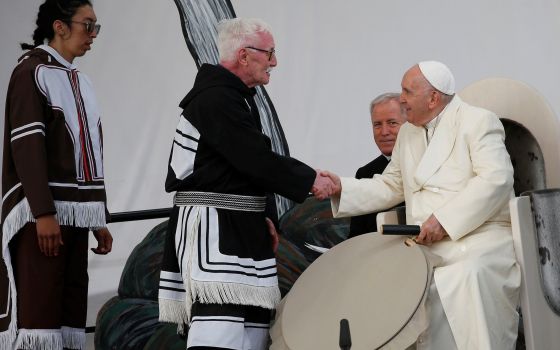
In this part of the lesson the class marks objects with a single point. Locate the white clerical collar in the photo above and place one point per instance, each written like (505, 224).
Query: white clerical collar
(434, 122)
(57, 56)
(432, 125)
(387, 157)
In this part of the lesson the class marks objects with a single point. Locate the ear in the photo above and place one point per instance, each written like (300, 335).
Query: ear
(434, 99)
(242, 57)
(60, 28)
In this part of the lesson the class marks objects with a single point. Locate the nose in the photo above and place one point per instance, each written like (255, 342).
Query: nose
(401, 98)
(384, 129)
(95, 32)
(273, 60)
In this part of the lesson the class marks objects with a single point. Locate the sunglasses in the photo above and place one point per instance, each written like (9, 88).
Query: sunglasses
(91, 27)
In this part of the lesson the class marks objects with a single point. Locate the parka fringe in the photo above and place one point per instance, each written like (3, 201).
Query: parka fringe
(73, 338)
(39, 339)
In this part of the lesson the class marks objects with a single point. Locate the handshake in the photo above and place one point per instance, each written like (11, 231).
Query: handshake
(326, 185)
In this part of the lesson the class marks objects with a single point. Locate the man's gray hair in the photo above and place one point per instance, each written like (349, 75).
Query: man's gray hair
(386, 97)
(237, 33)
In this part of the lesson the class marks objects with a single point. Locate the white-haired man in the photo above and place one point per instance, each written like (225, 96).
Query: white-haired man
(451, 167)
(387, 115)
(219, 271)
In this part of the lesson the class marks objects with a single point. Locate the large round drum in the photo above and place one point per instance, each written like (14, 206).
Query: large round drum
(376, 282)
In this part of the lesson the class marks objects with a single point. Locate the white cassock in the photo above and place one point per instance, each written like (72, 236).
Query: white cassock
(465, 178)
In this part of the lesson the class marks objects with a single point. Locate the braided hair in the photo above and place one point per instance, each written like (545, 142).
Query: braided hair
(50, 11)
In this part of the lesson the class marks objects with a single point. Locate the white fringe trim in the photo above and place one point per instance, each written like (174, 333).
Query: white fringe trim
(87, 215)
(172, 311)
(221, 292)
(39, 339)
(73, 338)
(235, 293)
(8, 337)
(15, 220)
(191, 242)
(90, 214)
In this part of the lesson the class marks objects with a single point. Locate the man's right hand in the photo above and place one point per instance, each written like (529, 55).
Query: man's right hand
(337, 184)
(48, 235)
(322, 187)
(334, 187)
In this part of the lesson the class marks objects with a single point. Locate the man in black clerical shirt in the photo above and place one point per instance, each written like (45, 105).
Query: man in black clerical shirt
(387, 116)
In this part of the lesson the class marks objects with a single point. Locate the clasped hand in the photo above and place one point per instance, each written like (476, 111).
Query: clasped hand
(326, 185)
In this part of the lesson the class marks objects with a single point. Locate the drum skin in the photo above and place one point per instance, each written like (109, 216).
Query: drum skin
(376, 282)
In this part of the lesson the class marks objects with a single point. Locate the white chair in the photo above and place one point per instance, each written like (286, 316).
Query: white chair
(540, 322)
(394, 216)
(386, 218)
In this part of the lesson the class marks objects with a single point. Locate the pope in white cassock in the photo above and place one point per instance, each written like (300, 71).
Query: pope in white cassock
(451, 167)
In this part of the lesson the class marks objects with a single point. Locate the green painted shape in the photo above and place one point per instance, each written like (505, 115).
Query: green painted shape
(140, 276)
(126, 324)
(166, 338)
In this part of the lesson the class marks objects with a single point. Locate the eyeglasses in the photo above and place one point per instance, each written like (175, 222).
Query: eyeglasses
(270, 52)
(91, 27)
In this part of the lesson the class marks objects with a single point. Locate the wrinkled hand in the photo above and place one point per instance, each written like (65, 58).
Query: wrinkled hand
(334, 187)
(431, 231)
(104, 241)
(48, 235)
(337, 184)
(322, 187)
(275, 239)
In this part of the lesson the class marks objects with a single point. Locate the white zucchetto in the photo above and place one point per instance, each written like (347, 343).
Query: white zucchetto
(437, 74)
